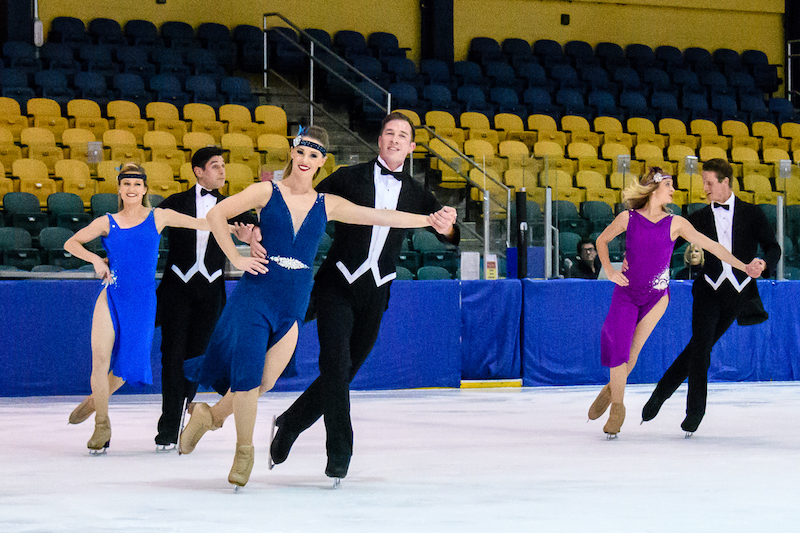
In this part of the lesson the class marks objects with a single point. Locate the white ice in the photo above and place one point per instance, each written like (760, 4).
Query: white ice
(425, 461)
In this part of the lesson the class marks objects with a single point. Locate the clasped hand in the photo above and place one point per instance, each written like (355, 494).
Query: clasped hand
(443, 220)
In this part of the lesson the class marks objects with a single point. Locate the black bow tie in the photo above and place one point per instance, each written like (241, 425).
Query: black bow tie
(203, 192)
(388, 172)
(723, 206)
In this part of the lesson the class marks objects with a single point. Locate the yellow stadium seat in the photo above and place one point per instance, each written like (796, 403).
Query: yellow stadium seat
(11, 117)
(187, 176)
(33, 178)
(76, 143)
(546, 129)
(478, 128)
(692, 184)
(562, 185)
(594, 184)
(160, 178)
(76, 178)
(85, 114)
(490, 183)
(761, 188)
(121, 145)
(9, 152)
(607, 125)
(46, 114)
(413, 116)
(751, 163)
(240, 149)
(271, 119)
(194, 140)
(41, 145)
(275, 149)
(164, 116)
(482, 152)
(239, 177)
(770, 136)
(163, 148)
(579, 150)
(125, 115)
(107, 172)
(237, 119)
(512, 128)
(444, 159)
(515, 153)
(573, 123)
(625, 139)
(444, 125)
(203, 119)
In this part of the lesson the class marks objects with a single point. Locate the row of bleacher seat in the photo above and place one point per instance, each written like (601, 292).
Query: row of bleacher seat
(582, 157)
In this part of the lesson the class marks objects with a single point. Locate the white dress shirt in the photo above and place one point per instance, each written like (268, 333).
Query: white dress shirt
(204, 203)
(387, 193)
(723, 220)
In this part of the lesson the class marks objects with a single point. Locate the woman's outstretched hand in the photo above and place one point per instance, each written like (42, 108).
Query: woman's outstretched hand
(253, 265)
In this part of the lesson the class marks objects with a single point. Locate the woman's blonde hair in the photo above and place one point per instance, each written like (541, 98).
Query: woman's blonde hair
(637, 194)
(137, 172)
(687, 255)
(317, 133)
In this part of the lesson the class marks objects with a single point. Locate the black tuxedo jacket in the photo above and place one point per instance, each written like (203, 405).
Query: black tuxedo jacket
(351, 245)
(750, 229)
(182, 242)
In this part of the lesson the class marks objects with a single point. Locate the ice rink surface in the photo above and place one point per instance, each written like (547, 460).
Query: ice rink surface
(425, 461)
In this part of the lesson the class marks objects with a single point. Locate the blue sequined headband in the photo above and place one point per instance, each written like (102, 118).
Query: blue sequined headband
(299, 141)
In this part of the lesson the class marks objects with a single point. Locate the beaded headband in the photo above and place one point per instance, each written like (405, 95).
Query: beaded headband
(658, 177)
(299, 141)
(132, 175)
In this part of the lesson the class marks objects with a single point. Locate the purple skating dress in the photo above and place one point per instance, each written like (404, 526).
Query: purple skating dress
(649, 251)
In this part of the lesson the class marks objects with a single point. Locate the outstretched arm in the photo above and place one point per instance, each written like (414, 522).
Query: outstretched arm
(338, 208)
(168, 217)
(74, 246)
(683, 228)
(619, 225)
(255, 196)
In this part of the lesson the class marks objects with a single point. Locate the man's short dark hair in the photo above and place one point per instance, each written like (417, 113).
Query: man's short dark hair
(202, 156)
(395, 115)
(581, 244)
(720, 167)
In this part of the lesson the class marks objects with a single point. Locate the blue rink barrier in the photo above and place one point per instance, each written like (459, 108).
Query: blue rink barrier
(433, 334)
(562, 321)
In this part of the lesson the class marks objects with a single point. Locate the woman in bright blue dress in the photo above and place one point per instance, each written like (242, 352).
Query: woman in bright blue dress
(124, 314)
(257, 332)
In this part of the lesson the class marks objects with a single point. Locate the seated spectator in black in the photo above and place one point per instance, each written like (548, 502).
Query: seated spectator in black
(693, 259)
(588, 265)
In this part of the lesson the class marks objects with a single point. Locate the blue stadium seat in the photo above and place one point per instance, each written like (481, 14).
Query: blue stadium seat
(350, 43)
(93, 86)
(670, 57)
(106, 31)
(203, 62)
(698, 59)
(640, 56)
(68, 30)
(170, 61)
(54, 85)
(217, 38)
(581, 54)
(131, 87)
(517, 51)
(611, 55)
(133, 60)
(203, 90)
(385, 46)
(21, 56)
(250, 47)
(142, 33)
(178, 35)
(60, 56)
(237, 91)
(167, 88)
(97, 58)
(483, 50)
(549, 52)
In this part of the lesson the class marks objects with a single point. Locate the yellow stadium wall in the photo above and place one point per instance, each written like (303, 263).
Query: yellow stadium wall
(711, 24)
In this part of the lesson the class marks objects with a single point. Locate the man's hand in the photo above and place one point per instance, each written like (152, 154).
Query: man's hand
(443, 220)
(756, 267)
(251, 235)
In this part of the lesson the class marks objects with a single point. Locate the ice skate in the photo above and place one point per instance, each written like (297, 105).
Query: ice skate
(201, 421)
(337, 468)
(652, 407)
(101, 437)
(242, 466)
(615, 420)
(166, 448)
(83, 411)
(281, 443)
(600, 403)
(337, 482)
(690, 424)
(270, 462)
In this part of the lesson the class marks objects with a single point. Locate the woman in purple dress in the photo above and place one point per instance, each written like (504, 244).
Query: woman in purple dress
(642, 292)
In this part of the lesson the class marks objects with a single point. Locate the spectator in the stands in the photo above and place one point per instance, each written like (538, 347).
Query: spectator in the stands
(588, 264)
(693, 260)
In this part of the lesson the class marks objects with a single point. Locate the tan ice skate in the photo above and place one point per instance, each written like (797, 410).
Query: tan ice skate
(242, 466)
(600, 403)
(615, 420)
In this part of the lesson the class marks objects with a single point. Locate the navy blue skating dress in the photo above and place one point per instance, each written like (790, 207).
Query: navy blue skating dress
(263, 307)
(132, 258)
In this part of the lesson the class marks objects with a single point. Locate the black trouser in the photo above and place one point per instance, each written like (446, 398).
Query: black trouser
(713, 312)
(187, 318)
(347, 328)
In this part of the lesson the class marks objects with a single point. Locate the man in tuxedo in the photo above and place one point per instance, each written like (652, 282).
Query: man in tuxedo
(191, 294)
(351, 289)
(721, 294)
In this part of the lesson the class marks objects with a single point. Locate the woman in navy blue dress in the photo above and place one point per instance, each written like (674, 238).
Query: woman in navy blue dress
(124, 314)
(257, 332)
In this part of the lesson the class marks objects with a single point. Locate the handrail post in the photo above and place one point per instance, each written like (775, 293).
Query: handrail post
(486, 230)
(266, 56)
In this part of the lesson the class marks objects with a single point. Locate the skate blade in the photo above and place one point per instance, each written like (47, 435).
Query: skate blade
(236, 489)
(337, 482)
(688, 435)
(166, 448)
(101, 451)
(611, 436)
(186, 408)
(270, 462)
